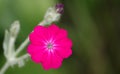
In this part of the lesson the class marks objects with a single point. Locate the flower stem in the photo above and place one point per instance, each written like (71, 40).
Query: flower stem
(4, 68)
(22, 46)
(25, 56)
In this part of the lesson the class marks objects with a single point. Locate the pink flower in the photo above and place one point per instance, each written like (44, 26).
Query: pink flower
(49, 46)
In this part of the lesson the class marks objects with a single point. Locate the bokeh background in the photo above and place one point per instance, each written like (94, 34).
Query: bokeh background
(93, 26)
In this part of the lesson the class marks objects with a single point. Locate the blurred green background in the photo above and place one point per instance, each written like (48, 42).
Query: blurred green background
(93, 25)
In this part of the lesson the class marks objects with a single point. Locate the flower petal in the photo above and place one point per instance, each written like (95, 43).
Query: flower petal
(52, 31)
(39, 29)
(56, 61)
(35, 39)
(41, 32)
(53, 28)
(63, 52)
(46, 63)
(34, 49)
(65, 42)
(62, 34)
(38, 49)
(37, 58)
(36, 53)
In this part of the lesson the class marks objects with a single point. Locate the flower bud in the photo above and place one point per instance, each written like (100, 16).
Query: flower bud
(14, 30)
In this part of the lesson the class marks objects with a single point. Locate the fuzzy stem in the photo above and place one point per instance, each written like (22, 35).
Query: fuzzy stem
(25, 56)
(4, 68)
(22, 46)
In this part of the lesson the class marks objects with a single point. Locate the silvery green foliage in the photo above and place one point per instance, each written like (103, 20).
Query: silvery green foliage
(21, 63)
(9, 44)
(6, 43)
(9, 40)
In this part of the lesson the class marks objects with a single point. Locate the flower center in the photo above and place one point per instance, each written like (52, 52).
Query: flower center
(49, 45)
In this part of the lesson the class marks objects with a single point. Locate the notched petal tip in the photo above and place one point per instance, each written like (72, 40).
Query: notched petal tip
(54, 27)
(38, 28)
(69, 53)
(70, 42)
(56, 61)
(35, 59)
